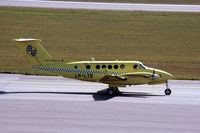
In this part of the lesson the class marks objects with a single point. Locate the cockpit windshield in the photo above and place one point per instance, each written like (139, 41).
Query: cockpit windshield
(142, 66)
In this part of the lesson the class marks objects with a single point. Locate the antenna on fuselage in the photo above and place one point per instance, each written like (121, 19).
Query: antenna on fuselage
(92, 59)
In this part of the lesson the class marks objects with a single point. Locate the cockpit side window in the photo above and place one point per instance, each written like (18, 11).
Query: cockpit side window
(142, 66)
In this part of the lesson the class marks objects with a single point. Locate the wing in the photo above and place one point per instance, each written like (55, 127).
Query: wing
(112, 78)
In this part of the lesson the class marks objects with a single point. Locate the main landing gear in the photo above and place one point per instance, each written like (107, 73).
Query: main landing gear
(113, 91)
(167, 91)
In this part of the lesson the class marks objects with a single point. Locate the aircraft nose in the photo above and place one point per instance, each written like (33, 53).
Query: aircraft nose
(168, 75)
(164, 75)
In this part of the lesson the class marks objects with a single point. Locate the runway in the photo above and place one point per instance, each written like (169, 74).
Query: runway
(57, 105)
(101, 6)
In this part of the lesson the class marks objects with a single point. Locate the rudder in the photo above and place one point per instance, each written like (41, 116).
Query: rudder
(35, 54)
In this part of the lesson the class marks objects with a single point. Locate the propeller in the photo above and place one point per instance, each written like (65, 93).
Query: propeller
(154, 76)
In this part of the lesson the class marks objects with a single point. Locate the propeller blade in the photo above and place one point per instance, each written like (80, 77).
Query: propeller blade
(154, 76)
(154, 71)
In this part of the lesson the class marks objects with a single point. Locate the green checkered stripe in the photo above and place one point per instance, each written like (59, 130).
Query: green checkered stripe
(74, 71)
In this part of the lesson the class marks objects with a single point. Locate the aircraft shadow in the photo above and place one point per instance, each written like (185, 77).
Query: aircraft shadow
(98, 96)
(103, 96)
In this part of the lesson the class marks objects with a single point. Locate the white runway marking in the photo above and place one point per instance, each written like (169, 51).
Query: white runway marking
(101, 6)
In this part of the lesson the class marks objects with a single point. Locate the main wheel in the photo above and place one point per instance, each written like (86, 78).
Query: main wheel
(113, 91)
(168, 91)
(110, 91)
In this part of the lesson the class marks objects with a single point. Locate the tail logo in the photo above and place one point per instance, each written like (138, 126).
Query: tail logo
(30, 50)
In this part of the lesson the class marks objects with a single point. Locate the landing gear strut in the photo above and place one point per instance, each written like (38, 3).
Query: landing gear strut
(167, 91)
(113, 91)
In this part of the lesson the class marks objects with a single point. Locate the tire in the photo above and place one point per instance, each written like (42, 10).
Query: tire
(168, 92)
(113, 91)
(110, 92)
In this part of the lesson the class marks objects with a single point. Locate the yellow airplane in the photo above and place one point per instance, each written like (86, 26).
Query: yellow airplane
(114, 73)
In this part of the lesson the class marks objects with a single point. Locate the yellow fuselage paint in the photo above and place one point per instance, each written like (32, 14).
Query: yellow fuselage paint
(113, 73)
(94, 70)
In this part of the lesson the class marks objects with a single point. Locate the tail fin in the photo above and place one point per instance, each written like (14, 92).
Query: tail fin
(33, 51)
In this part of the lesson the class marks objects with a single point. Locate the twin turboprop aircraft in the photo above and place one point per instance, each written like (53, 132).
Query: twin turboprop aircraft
(114, 73)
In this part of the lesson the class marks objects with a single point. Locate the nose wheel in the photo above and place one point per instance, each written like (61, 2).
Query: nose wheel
(167, 91)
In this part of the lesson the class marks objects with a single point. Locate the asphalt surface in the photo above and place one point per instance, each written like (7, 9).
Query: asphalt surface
(101, 6)
(41, 104)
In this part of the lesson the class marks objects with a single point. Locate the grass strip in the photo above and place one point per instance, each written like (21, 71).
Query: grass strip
(167, 41)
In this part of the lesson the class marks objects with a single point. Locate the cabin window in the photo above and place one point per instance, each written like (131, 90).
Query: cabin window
(76, 67)
(122, 66)
(97, 66)
(88, 67)
(109, 66)
(103, 66)
(135, 66)
(116, 66)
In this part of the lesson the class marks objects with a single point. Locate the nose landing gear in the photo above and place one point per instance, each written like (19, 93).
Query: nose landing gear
(167, 91)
